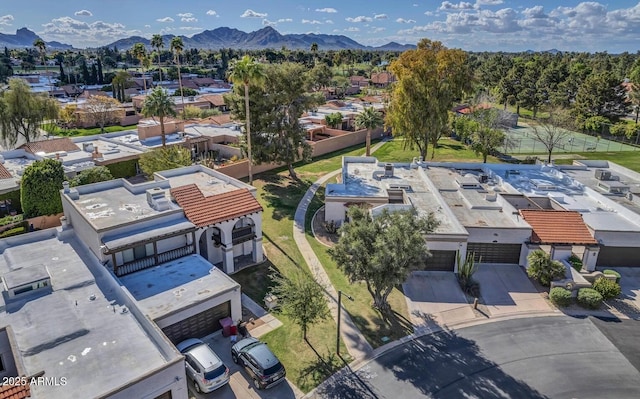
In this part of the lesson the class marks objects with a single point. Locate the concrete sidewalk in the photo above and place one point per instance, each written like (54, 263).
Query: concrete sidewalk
(356, 343)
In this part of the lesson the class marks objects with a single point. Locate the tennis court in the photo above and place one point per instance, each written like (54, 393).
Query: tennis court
(520, 140)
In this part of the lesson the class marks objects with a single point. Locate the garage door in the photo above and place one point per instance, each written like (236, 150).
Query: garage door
(495, 253)
(199, 325)
(618, 256)
(441, 261)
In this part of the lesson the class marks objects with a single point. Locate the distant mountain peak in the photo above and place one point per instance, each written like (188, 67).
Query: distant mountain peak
(25, 38)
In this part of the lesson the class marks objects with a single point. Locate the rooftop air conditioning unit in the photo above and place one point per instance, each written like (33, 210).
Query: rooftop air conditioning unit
(157, 199)
(388, 170)
(88, 147)
(602, 174)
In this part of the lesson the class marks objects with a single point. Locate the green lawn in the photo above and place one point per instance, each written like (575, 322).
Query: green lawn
(627, 159)
(448, 150)
(56, 131)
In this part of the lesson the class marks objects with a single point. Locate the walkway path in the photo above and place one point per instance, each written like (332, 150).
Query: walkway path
(356, 343)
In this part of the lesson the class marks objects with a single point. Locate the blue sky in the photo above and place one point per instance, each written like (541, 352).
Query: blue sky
(479, 25)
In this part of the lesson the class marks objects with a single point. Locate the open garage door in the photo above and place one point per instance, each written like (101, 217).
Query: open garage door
(495, 253)
(618, 256)
(198, 325)
(441, 261)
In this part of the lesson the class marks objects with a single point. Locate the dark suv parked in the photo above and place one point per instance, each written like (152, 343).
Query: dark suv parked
(262, 365)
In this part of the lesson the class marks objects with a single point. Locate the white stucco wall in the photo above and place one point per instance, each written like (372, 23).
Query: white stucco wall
(502, 236)
(233, 296)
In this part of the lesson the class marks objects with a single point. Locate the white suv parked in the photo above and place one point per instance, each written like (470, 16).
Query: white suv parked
(204, 367)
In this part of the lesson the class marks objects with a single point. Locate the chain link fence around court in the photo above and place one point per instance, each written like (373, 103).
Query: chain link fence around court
(521, 140)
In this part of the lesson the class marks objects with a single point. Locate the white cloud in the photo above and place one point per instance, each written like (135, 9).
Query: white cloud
(165, 19)
(360, 18)
(252, 14)
(266, 22)
(463, 5)
(83, 13)
(311, 22)
(190, 28)
(405, 21)
(285, 20)
(328, 22)
(380, 16)
(488, 2)
(212, 13)
(377, 30)
(6, 19)
(352, 29)
(147, 26)
(185, 15)
(189, 19)
(428, 13)
(97, 33)
(327, 9)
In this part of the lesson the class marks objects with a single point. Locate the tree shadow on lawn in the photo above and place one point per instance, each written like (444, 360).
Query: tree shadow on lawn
(319, 369)
(283, 194)
(383, 328)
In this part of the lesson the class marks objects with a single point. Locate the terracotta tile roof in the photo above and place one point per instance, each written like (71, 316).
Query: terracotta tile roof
(15, 391)
(49, 146)
(383, 78)
(4, 173)
(557, 227)
(205, 211)
(215, 99)
(221, 119)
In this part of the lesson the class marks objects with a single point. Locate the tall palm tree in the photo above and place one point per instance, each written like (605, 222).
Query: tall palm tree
(247, 71)
(177, 46)
(159, 103)
(42, 49)
(369, 119)
(158, 43)
(140, 52)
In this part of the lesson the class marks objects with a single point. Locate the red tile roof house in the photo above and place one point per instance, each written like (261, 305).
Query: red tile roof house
(382, 79)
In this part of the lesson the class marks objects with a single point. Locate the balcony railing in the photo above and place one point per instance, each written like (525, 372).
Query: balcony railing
(150, 261)
(241, 235)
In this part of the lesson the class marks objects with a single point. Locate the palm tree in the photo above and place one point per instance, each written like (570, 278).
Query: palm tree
(159, 103)
(314, 51)
(140, 52)
(158, 44)
(247, 71)
(42, 49)
(176, 48)
(369, 119)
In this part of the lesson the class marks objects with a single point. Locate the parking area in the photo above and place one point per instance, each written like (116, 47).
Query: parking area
(239, 386)
(505, 289)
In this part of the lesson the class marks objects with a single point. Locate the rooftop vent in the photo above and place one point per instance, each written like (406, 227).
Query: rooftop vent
(388, 170)
(602, 174)
(157, 199)
(87, 147)
(468, 181)
(613, 187)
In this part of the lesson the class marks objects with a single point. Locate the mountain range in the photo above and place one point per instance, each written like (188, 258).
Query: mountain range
(223, 37)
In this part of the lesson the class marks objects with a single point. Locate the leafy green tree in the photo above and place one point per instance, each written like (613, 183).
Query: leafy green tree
(40, 188)
(552, 131)
(333, 120)
(301, 298)
(177, 47)
(543, 269)
(41, 46)
(120, 82)
(22, 113)
(249, 73)
(164, 158)
(187, 91)
(382, 251)
(531, 96)
(92, 175)
(511, 84)
(320, 76)
(430, 78)
(279, 103)
(369, 119)
(159, 103)
(601, 95)
(158, 44)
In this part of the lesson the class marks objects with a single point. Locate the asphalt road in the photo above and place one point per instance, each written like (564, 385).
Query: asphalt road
(544, 357)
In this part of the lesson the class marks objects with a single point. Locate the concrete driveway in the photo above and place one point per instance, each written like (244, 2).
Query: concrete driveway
(239, 386)
(506, 289)
(436, 296)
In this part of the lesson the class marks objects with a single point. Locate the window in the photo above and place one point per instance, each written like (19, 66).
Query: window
(22, 290)
(136, 253)
(216, 236)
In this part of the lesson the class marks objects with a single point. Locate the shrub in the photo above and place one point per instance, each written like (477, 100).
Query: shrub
(466, 270)
(575, 262)
(589, 298)
(543, 269)
(607, 288)
(560, 296)
(331, 227)
(610, 272)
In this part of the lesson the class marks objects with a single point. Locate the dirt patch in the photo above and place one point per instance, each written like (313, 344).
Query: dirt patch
(320, 232)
